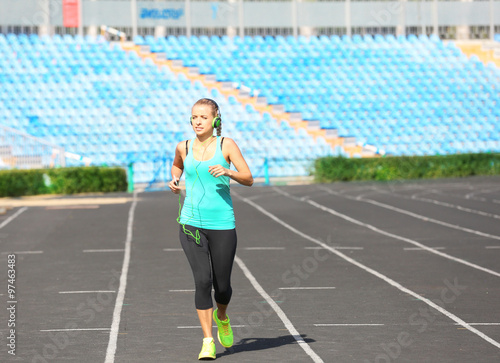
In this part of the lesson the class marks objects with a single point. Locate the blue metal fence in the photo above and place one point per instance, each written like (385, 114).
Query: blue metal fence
(158, 172)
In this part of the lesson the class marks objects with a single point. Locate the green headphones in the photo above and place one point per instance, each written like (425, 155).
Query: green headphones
(216, 122)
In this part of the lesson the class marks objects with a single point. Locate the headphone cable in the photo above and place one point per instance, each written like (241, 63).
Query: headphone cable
(196, 236)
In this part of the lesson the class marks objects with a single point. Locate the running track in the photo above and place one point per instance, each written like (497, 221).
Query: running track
(343, 272)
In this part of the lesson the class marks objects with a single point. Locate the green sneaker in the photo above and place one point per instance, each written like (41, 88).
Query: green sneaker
(208, 349)
(224, 331)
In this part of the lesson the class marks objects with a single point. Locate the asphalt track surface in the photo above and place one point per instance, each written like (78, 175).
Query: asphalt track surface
(343, 272)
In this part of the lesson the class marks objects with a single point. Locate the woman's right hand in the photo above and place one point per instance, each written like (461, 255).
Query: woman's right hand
(174, 186)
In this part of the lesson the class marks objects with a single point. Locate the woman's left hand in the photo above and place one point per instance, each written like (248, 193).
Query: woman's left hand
(218, 170)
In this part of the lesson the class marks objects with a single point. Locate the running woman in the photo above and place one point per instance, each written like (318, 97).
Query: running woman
(207, 226)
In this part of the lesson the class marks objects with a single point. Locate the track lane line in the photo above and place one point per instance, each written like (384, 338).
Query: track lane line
(86, 291)
(440, 192)
(82, 329)
(333, 324)
(115, 325)
(288, 324)
(415, 243)
(459, 207)
(104, 250)
(438, 202)
(420, 249)
(392, 235)
(471, 195)
(12, 217)
(336, 247)
(414, 215)
(23, 252)
(308, 288)
(263, 248)
(381, 276)
(214, 326)
(395, 236)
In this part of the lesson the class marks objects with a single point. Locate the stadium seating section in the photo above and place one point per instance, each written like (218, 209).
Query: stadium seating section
(405, 96)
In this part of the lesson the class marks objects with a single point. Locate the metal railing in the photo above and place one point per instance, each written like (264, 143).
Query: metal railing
(266, 169)
(19, 150)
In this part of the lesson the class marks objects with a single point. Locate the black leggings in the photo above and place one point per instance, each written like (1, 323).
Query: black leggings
(211, 262)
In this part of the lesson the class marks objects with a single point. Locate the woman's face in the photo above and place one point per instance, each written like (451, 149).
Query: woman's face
(201, 117)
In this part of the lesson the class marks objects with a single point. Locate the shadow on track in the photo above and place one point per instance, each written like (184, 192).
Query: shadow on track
(252, 344)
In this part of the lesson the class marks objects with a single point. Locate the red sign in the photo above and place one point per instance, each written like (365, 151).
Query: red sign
(70, 13)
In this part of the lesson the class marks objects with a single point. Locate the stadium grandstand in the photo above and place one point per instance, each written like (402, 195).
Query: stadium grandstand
(287, 97)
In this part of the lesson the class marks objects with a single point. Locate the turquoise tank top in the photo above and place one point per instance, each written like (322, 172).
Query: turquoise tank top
(208, 202)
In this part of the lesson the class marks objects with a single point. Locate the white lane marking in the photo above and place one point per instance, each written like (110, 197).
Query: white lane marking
(449, 205)
(413, 196)
(475, 324)
(348, 324)
(282, 192)
(375, 229)
(198, 327)
(59, 207)
(115, 325)
(432, 220)
(361, 196)
(288, 324)
(12, 217)
(185, 290)
(461, 197)
(483, 324)
(83, 329)
(105, 250)
(336, 247)
(415, 215)
(404, 239)
(84, 292)
(472, 195)
(421, 249)
(376, 273)
(263, 248)
(307, 288)
(22, 252)
(172, 249)
(492, 247)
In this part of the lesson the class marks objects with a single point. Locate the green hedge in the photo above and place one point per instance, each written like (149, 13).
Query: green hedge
(397, 168)
(15, 183)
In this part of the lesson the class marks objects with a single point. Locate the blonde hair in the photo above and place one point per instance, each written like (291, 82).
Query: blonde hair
(215, 110)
